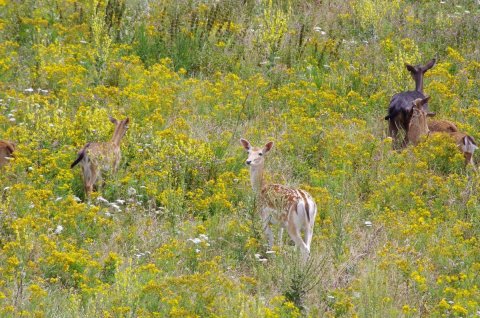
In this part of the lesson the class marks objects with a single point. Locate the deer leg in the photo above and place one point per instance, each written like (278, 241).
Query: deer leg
(309, 227)
(295, 236)
(393, 132)
(308, 236)
(266, 227)
(280, 236)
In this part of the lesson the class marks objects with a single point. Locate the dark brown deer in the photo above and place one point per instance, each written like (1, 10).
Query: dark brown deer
(399, 110)
(6, 152)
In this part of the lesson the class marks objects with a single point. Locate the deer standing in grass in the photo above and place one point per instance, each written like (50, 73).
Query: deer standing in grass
(400, 107)
(98, 157)
(419, 126)
(6, 151)
(294, 209)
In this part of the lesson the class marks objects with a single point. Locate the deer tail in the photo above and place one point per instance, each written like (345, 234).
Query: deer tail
(81, 155)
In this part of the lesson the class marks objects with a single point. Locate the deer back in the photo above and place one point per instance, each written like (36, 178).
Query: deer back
(442, 126)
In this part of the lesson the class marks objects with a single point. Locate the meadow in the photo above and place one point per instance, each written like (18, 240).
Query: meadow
(175, 232)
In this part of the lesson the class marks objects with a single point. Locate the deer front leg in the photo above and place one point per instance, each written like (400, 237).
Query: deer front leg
(266, 218)
(280, 236)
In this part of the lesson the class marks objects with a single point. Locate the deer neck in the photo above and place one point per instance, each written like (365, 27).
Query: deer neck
(117, 137)
(419, 82)
(256, 178)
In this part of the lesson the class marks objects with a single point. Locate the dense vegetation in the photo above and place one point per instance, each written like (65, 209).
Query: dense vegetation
(175, 233)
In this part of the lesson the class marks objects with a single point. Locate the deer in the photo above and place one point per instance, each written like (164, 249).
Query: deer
(418, 124)
(399, 110)
(97, 157)
(6, 151)
(419, 127)
(294, 209)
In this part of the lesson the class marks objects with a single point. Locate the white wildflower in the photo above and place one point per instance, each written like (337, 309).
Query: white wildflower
(116, 207)
(58, 229)
(131, 191)
(102, 199)
(195, 240)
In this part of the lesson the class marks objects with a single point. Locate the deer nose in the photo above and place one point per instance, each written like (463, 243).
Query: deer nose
(249, 162)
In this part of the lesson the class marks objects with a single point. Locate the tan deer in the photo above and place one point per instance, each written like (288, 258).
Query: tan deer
(98, 157)
(6, 151)
(294, 209)
(419, 126)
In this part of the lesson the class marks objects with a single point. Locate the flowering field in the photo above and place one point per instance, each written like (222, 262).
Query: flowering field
(174, 233)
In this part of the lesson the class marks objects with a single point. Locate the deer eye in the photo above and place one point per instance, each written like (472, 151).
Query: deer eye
(260, 154)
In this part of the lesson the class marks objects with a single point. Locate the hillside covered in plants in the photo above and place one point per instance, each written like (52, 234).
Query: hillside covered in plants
(176, 233)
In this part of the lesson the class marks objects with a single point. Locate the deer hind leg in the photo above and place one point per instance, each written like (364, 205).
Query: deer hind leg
(309, 226)
(293, 228)
(398, 134)
(89, 178)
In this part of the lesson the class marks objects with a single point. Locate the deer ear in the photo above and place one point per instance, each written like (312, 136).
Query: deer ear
(268, 146)
(425, 100)
(245, 144)
(410, 68)
(113, 120)
(429, 65)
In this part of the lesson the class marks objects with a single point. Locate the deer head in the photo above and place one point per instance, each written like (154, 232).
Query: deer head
(418, 125)
(418, 71)
(255, 154)
(121, 128)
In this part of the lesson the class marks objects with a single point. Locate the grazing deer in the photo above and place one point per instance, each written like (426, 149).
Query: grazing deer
(96, 157)
(6, 151)
(418, 127)
(399, 110)
(467, 145)
(294, 209)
